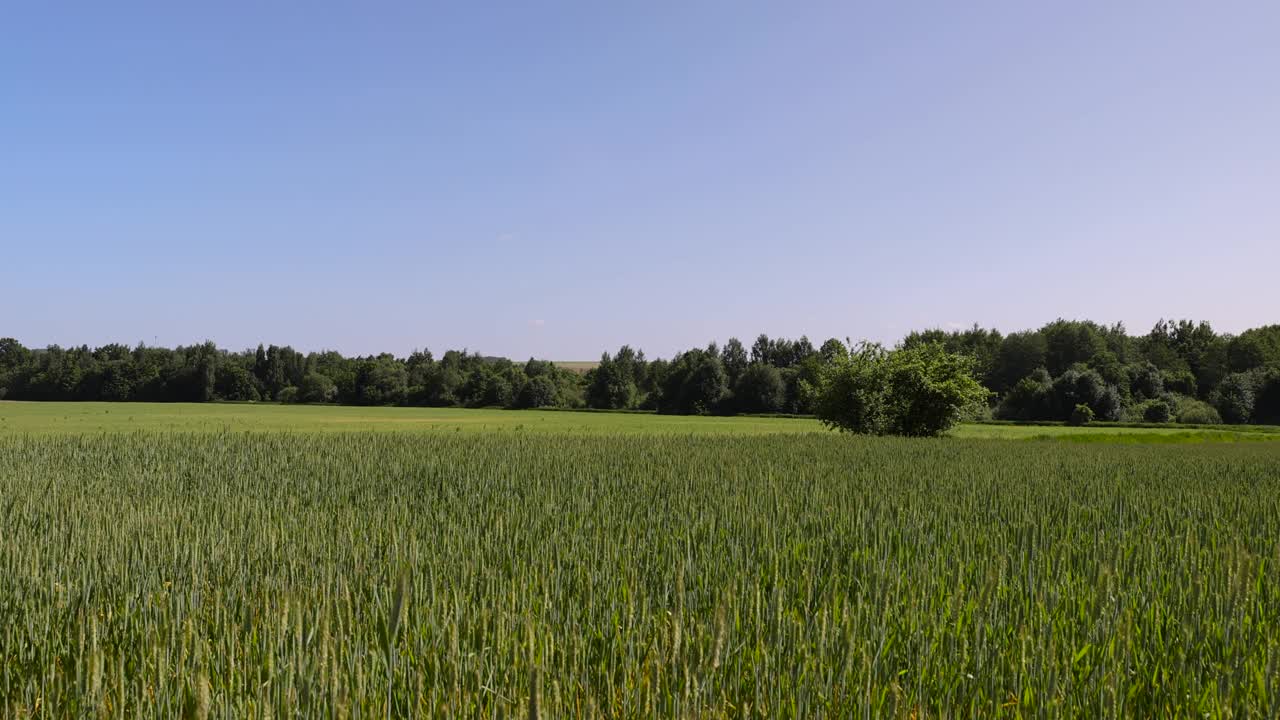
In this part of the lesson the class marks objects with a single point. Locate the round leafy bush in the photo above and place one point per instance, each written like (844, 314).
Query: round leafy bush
(1157, 411)
(540, 391)
(1197, 412)
(1081, 415)
(1234, 397)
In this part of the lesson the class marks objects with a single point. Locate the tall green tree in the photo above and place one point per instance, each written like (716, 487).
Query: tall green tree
(1019, 355)
(734, 358)
(760, 389)
(695, 384)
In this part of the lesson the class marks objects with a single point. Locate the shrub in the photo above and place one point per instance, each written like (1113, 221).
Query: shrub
(1234, 397)
(540, 391)
(1081, 415)
(1179, 381)
(1266, 400)
(850, 389)
(317, 388)
(1078, 385)
(695, 384)
(288, 395)
(231, 383)
(1110, 406)
(497, 392)
(918, 391)
(1157, 411)
(978, 412)
(1028, 399)
(1196, 412)
(1145, 381)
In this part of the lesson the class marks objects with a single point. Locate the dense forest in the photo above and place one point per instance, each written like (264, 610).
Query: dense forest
(1179, 371)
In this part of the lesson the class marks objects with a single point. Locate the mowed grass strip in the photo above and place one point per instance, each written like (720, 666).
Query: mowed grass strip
(506, 574)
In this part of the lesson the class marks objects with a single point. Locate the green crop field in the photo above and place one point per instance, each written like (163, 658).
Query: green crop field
(236, 561)
(61, 418)
(92, 417)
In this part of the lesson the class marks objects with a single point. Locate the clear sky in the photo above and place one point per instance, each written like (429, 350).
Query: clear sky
(557, 179)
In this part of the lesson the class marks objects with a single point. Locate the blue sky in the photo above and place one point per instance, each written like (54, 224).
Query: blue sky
(557, 179)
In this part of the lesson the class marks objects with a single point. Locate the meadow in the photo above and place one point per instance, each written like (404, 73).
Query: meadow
(60, 418)
(255, 561)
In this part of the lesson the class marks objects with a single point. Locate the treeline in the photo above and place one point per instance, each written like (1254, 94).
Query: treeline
(1179, 371)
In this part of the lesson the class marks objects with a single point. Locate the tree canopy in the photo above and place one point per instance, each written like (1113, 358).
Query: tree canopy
(918, 390)
(1185, 366)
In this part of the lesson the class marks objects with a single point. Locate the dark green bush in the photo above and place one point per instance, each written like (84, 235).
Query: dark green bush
(1157, 411)
(1081, 415)
(1234, 397)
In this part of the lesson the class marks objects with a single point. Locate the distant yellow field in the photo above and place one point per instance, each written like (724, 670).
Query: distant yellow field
(578, 366)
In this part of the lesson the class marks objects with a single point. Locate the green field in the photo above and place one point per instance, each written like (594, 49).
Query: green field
(244, 561)
(70, 417)
(59, 418)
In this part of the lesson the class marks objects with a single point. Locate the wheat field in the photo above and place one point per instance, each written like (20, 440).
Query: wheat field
(489, 575)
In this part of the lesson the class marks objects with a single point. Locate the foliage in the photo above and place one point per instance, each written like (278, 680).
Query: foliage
(1157, 411)
(1191, 411)
(1077, 385)
(1039, 374)
(1234, 398)
(695, 384)
(1180, 381)
(1145, 381)
(1020, 355)
(734, 359)
(1081, 415)
(916, 391)
(381, 381)
(760, 389)
(611, 385)
(232, 382)
(978, 413)
(780, 352)
(982, 345)
(1029, 399)
(850, 392)
(928, 389)
(1253, 349)
(539, 392)
(832, 349)
(317, 388)
(1266, 403)
(1071, 342)
(1192, 353)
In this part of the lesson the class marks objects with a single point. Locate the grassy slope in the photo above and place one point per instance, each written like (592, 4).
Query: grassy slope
(42, 418)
